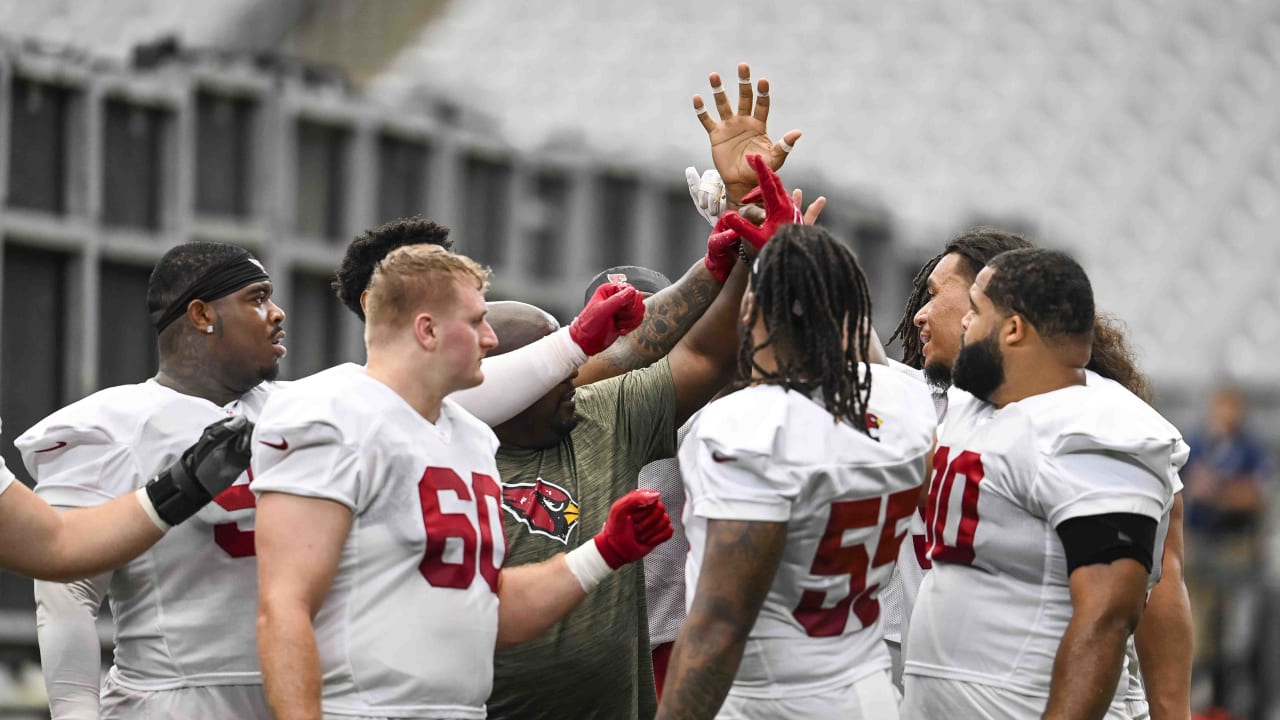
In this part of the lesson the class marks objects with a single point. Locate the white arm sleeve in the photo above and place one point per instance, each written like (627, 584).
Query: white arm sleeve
(70, 655)
(515, 380)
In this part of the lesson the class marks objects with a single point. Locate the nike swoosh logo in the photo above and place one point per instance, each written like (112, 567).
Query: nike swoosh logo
(721, 458)
(56, 446)
(282, 445)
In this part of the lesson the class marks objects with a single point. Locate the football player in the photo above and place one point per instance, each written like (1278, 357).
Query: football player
(1046, 513)
(799, 488)
(930, 335)
(183, 610)
(382, 588)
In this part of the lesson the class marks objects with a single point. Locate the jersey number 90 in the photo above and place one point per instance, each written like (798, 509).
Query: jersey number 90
(969, 466)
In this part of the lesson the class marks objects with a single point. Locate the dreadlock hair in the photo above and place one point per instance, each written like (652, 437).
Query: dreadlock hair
(180, 267)
(812, 297)
(975, 247)
(1046, 287)
(1114, 358)
(366, 251)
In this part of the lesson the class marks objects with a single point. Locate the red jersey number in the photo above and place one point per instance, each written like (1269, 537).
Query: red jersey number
(474, 550)
(967, 465)
(235, 542)
(835, 558)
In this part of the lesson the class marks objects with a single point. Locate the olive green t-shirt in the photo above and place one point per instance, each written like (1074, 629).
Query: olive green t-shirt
(595, 663)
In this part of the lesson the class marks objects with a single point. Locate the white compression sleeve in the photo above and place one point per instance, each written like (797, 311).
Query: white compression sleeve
(70, 655)
(515, 380)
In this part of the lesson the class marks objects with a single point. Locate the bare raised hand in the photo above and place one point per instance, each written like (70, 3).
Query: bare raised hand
(737, 135)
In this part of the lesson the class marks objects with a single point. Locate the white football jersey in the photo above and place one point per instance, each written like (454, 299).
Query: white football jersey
(765, 454)
(184, 610)
(994, 606)
(409, 626)
(899, 595)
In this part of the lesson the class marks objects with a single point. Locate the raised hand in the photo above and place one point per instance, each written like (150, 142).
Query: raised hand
(779, 208)
(722, 251)
(637, 523)
(737, 135)
(707, 192)
(614, 310)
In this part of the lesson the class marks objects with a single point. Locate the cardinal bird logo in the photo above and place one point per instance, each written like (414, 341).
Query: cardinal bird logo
(544, 508)
(873, 426)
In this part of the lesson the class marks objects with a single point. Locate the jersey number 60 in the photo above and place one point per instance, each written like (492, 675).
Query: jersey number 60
(453, 524)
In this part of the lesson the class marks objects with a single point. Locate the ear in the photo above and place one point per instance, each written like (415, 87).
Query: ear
(201, 315)
(364, 301)
(1014, 329)
(424, 331)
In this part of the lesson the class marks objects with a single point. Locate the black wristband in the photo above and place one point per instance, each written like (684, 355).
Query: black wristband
(176, 495)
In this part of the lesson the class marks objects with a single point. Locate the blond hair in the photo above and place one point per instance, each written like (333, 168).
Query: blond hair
(417, 278)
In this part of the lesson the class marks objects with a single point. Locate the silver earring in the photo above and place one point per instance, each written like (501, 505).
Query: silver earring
(208, 330)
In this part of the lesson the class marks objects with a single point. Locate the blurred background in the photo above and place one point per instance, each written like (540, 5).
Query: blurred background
(1143, 136)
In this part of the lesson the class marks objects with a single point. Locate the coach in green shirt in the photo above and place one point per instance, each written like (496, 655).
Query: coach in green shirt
(563, 462)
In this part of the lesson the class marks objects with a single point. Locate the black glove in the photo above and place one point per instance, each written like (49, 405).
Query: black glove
(204, 470)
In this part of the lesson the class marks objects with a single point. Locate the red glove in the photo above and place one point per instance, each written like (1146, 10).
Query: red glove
(779, 209)
(615, 309)
(722, 251)
(637, 524)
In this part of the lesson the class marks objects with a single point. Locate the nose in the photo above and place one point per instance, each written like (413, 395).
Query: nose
(275, 313)
(965, 321)
(488, 338)
(921, 314)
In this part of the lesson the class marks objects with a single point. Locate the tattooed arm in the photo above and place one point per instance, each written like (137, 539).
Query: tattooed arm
(668, 316)
(737, 571)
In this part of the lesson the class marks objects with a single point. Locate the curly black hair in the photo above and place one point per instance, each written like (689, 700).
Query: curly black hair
(366, 251)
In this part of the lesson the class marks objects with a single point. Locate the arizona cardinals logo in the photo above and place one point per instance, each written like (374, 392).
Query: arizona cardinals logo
(873, 426)
(544, 508)
(617, 278)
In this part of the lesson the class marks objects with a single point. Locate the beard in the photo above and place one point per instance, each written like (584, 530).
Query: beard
(269, 373)
(979, 368)
(938, 375)
(565, 418)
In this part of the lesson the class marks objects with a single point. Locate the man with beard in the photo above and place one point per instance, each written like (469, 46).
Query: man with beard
(184, 610)
(1044, 515)
(930, 336)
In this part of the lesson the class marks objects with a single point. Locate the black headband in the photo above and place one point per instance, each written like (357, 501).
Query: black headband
(218, 281)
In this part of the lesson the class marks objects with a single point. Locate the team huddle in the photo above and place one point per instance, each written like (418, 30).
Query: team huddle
(990, 528)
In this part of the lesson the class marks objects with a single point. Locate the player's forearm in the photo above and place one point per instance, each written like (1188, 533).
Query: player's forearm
(37, 541)
(1164, 642)
(532, 598)
(737, 571)
(702, 667)
(669, 314)
(290, 661)
(515, 380)
(96, 539)
(1087, 667)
